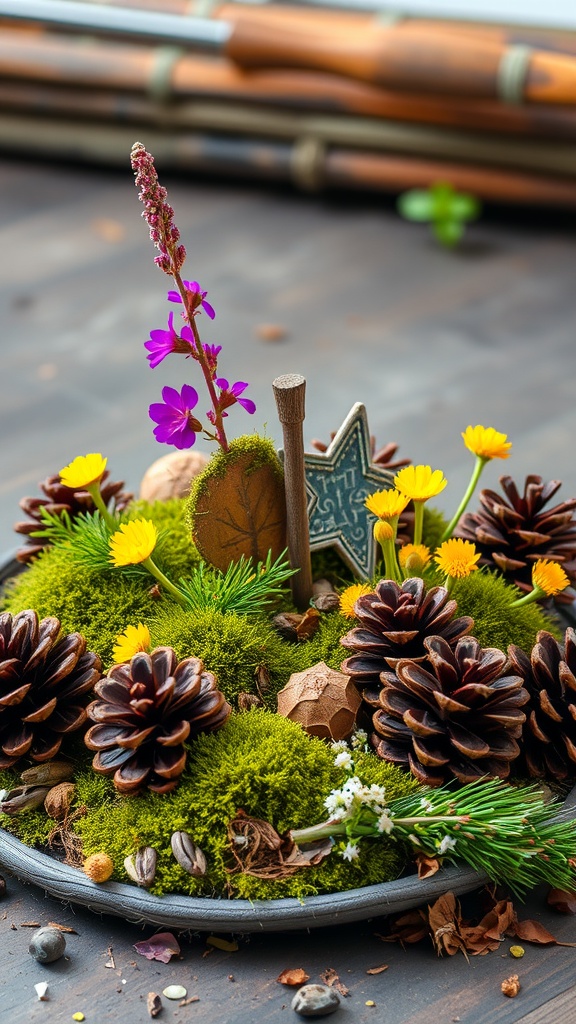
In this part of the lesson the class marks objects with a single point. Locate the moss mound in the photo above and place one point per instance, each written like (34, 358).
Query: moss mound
(231, 646)
(488, 599)
(259, 762)
(101, 603)
(261, 451)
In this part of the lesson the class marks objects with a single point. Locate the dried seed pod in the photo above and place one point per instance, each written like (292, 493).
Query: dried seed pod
(188, 855)
(58, 800)
(23, 798)
(99, 867)
(324, 596)
(47, 945)
(247, 701)
(49, 774)
(511, 986)
(142, 866)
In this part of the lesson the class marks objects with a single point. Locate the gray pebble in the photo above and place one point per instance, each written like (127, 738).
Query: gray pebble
(315, 1001)
(47, 945)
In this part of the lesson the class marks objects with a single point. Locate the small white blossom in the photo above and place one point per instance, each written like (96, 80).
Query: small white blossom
(359, 739)
(344, 760)
(445, 845)
(338, 745)
(350, 851)
(385, 823)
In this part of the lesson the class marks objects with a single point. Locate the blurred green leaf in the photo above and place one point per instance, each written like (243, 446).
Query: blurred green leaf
(448, 232)
(416, 204)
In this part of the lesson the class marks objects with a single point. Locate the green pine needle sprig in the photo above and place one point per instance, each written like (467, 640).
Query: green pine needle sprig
(241, 588)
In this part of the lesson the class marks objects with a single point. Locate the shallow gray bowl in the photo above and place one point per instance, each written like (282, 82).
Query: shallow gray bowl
(205, 914)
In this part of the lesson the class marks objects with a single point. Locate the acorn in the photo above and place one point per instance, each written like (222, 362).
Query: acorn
(98, 866)
(58, 800)
(141, 868)
(47, 945)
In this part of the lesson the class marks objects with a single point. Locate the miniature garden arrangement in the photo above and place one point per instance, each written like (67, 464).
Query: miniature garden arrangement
(279, 676)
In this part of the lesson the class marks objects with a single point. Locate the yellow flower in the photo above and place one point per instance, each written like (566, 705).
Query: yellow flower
(84, 470)
(420, 482)
(349, 597)
(486, 442)
(549, 577)
(386, 504)
(383, 532)
(457, 558)
(134, 542)
(132, 640)
(414, 557)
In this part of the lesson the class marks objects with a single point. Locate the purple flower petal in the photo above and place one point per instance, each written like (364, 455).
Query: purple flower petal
(162, 947)
(174, 296)
(247, 404)
(208, 309)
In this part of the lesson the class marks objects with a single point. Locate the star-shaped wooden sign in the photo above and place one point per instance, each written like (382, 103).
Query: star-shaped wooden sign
(337, 484)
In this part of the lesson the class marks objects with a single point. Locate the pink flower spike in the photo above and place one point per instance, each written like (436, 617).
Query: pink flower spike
(229, 395)
(176, 424)
(197, 295)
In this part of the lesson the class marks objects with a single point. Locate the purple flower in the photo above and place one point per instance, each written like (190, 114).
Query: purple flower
(197, 296)
(158, 213)
(162, 343)
(176, 424)
(229, 395)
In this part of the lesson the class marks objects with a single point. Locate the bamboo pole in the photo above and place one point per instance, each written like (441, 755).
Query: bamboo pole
(290, 393)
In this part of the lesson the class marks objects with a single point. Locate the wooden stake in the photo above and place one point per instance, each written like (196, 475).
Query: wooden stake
(290, 393)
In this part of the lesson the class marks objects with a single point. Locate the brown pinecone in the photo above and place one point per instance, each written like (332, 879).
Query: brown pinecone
(394, 622)
(513, 534)
(459, 718)
(43, 681)
(148, 708)
(549, 734)
(63, 499)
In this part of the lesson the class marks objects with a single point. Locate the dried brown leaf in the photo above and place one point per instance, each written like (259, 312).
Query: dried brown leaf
(427, 866)
(294, 976)
(444, 919)
(62, 928)
(533, 931)
(377, 970)
(30, 924)
(563, 901)
(331, 978)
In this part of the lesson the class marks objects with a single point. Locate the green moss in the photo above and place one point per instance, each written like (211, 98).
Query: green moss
(325, 644)
(433, 527)
(261, 451)
(231, 646)
(101, 603)
(488, 599)
(97, 604)
(265, 765)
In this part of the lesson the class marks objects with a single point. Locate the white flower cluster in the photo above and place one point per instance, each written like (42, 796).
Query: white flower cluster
(343, 803)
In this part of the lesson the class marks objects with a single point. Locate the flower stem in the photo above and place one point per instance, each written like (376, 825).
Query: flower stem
(201, 356)
(94, 492)
(159, 575)
(478, 467)
(418, 521)
(534, 595)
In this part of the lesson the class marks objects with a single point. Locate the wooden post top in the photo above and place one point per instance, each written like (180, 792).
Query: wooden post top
(290, 394)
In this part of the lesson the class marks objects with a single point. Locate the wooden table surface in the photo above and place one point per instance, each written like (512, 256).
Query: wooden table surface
(373, 311)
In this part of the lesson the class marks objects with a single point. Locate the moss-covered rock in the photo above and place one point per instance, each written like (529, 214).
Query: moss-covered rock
(268, 767)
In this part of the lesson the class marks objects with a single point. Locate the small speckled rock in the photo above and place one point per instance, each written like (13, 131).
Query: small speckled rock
(171, 475)
(47, 945)
(315, 1001)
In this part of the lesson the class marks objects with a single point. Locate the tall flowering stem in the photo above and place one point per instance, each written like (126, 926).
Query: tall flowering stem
(159, 216)
(486, 444)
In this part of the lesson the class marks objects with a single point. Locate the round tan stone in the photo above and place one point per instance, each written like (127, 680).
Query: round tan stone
(171, 475)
